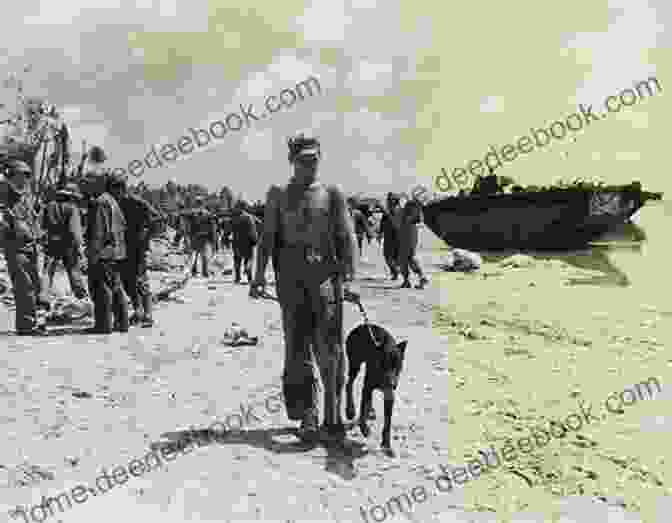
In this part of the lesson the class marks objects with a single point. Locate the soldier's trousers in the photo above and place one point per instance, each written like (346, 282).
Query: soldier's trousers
(136, 282)
(242, 255)
(203, 249)
(22, 266)
(409, 260)
(73, 267)
(110, 308)
(312, 317)
(391, 254)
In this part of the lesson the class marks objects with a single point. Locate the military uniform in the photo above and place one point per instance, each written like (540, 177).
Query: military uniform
(245, 237)
(141, 219)
(202, 230)
(389, 230)
(361, 227)
(21, 228)
(106, 251)
(408, 242)
(63, 225)
(310, 295)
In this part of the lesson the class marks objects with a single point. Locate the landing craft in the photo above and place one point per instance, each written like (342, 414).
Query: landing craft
(556, 217)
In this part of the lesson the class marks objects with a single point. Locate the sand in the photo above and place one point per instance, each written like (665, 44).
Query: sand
(490, 355)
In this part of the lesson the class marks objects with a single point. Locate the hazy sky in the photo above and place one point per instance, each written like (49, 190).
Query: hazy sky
(408, 87)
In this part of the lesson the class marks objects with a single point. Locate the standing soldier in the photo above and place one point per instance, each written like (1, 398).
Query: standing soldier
(225, 227)
(20, 231)
(202, 231)
(245, 237)
(65, 241)
(390, 225)
(408, 242)
(141, 219)
(106, 251)
(309, 234)
(360, 222)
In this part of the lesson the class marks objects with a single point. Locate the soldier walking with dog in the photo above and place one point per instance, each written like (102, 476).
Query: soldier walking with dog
(309, 234)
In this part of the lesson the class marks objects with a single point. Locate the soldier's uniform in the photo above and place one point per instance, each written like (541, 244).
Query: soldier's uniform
(408, 242)
(202, 231)
(63, 225)
(106, 250)
(21, 233)
(245, 237)
(310, 237)
(390, 225)
(141, 219)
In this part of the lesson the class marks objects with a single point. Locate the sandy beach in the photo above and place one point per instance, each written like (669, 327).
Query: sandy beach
(491, 354)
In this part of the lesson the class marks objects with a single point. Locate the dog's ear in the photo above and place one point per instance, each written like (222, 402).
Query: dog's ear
(402, 346)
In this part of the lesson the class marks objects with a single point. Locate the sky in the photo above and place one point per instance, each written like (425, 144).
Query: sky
(407, 87)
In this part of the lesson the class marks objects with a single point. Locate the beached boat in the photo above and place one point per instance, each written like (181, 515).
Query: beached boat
(544, 219)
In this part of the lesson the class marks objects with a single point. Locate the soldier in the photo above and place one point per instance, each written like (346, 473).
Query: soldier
(408, 242)
(202, 230)
(245, 237)
(20, 230)
(225, 228)
(106, 252)
(142, 220)
(65, 240)
(390, 224)
(309, 234)
(360, 222)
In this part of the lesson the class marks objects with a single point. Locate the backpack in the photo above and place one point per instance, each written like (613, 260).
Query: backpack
(201, 224)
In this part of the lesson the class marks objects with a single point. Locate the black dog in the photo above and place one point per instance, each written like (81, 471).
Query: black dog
(384, 358)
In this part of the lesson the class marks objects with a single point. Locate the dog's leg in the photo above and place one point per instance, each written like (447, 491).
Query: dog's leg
(353, 371)
(367, 396)
(388, 395)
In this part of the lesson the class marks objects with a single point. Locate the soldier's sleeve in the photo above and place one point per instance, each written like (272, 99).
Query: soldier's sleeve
(75, 225)
(96, 230)
(271, 225)
(252, 229)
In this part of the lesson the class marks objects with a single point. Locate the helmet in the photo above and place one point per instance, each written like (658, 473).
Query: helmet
(97, 155)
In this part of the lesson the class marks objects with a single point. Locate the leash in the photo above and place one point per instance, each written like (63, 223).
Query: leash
(354, 298)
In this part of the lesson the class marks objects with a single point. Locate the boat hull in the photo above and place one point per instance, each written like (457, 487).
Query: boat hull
(539, 220)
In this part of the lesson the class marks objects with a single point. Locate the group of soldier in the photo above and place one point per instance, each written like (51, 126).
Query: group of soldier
(100, 226)
(205, 233)
(396, 226)
(116, 225)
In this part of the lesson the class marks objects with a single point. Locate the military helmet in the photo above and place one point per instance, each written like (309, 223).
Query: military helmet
(97, 155)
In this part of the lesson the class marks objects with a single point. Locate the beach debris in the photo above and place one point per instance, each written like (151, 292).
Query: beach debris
(68, 309)
(26, 475)
(461, 260)
(172, 287)
(518, 261)
(82, 394)
(236, 336)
